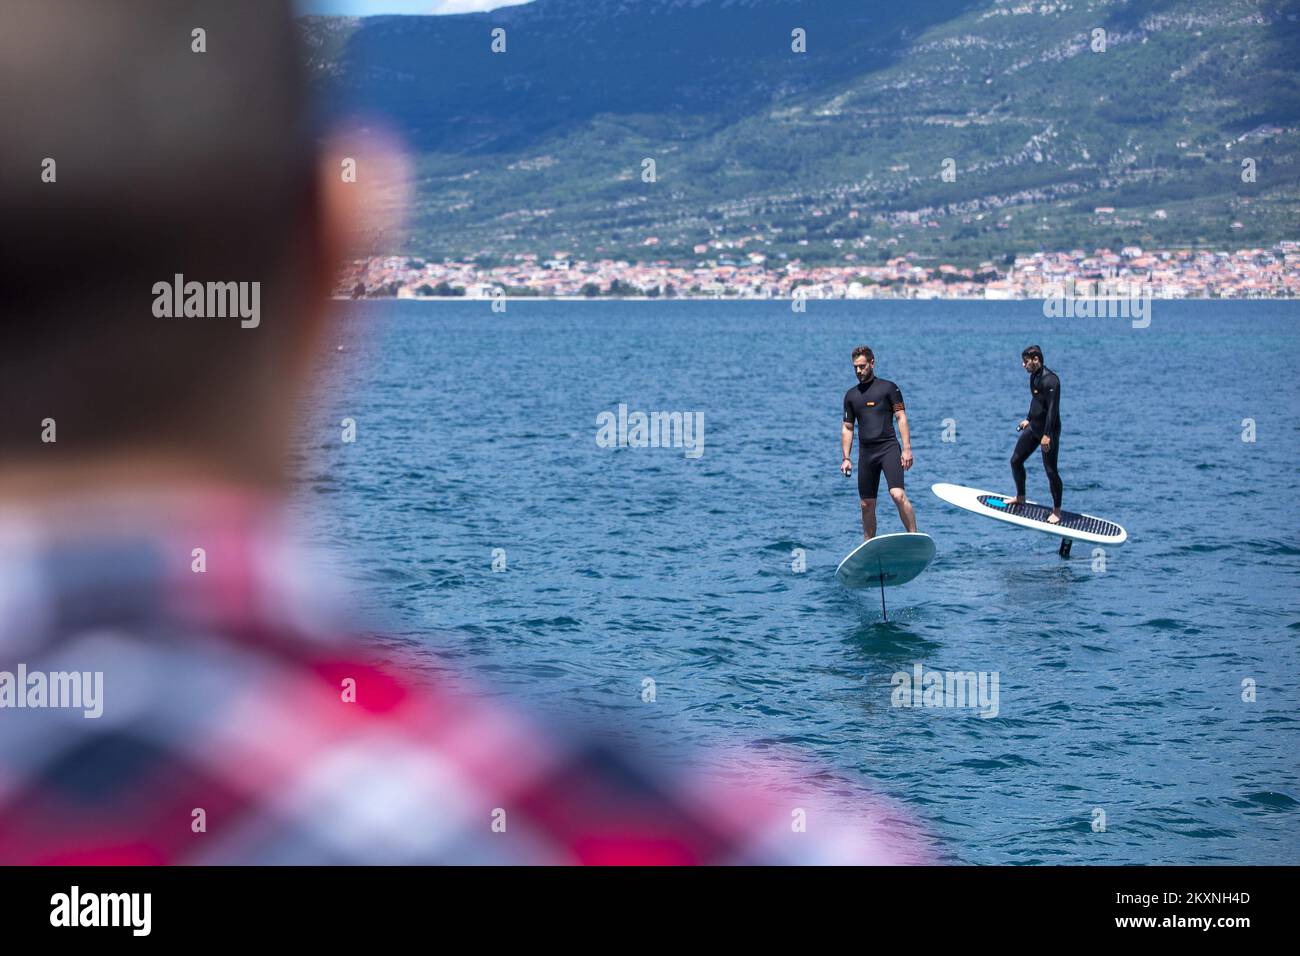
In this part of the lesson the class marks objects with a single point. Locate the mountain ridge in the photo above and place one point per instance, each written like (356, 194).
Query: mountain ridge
(836, 152)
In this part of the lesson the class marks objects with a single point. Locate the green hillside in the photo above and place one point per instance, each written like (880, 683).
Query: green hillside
(835, 154)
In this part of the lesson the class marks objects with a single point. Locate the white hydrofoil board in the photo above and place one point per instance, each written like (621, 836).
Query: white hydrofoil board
(886, 560)
(1078, 527)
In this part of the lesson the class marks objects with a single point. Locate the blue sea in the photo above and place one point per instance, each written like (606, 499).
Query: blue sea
(1157, 683)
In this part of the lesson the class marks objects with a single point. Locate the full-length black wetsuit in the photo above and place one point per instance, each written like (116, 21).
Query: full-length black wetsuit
(1044, 419)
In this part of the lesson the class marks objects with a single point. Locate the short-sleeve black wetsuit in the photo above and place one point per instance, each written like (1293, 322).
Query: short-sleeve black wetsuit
(1044, 419)
(870, 406)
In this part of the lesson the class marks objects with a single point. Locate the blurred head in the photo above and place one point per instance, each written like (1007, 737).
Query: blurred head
(1032, 359)
(131, 158)
(864, 362)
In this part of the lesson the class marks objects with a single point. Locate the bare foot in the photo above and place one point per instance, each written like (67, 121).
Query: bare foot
(1054, 518)
(1016, 500)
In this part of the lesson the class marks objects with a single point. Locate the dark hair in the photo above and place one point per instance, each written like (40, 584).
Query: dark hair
(1032, 351)
(863, 350)
(167, 161)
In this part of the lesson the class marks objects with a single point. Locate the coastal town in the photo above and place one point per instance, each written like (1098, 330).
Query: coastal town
(1169, 274)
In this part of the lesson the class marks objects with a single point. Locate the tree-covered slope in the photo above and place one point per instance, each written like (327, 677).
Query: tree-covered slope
(837, 152)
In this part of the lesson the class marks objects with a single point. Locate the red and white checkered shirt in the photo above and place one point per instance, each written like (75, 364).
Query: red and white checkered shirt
(239, 723)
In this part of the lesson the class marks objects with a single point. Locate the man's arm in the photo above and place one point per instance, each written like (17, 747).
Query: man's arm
(900, 416)
(1052, 424)
(1051, 416)
(846, 437)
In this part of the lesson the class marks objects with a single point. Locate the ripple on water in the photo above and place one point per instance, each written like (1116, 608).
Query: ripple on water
(1267, 800)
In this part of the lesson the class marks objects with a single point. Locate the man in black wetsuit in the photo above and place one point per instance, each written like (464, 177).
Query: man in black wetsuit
(873, 405)
(1041, 428)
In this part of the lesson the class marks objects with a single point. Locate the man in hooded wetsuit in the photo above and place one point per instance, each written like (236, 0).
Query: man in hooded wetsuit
(873, 405)
(1041, 428)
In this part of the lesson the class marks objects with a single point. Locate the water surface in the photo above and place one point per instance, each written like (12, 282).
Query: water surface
(1121, 681)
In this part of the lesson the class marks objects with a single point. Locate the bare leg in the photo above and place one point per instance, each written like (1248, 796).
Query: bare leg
(868, 518)
(904, 508)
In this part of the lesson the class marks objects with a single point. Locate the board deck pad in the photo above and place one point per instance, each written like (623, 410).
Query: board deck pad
(886, 560)
(1073, 525)
(1036, 512)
